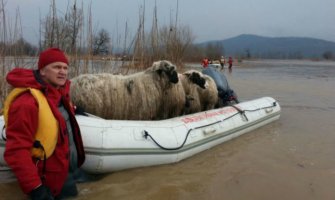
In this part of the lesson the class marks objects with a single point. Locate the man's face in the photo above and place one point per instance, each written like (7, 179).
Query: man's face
(55, 74)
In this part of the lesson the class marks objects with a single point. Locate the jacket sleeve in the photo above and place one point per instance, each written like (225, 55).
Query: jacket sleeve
(20, 131)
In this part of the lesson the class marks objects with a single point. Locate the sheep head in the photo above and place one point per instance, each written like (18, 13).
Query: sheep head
(167, 68)
(196, 78)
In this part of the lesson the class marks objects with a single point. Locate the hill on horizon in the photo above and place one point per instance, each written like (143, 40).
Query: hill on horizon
(255, 46)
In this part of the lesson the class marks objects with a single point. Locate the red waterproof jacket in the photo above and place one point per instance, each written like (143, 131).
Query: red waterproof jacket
(205, 62)
(22, 126)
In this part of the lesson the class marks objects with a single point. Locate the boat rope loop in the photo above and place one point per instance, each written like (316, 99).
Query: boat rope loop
(242, 112)
(146, 134)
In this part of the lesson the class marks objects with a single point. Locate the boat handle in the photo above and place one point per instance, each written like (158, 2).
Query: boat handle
(268, 110)
(209, 131)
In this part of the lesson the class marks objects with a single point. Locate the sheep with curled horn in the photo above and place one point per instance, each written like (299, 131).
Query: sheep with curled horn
(133, 97)
(192, 81)
(208, 96)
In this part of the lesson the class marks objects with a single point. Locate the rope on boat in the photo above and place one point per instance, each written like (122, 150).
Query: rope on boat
(242, 112)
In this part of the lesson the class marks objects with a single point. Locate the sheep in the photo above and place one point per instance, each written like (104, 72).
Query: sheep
(176, 101)
(187, 80)
(133, 97)
(173, 101)
(200, 91)
(209, 96)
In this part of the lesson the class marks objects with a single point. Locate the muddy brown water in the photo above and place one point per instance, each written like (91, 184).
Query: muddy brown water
(292, 158)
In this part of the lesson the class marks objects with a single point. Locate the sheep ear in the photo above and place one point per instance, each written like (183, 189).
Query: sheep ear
(187, 74)
(167, 66)
(171, 67)
(156, 66)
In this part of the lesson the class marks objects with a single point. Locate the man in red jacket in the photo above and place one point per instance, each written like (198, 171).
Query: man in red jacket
(49, 177)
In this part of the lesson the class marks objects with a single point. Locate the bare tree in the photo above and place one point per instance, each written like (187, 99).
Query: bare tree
(89, 39)
(139, 46)
(101, 43)
(50, 25)
(3, 36)
(63, 31)
(168, 42)
(154, 36)
(2, 50)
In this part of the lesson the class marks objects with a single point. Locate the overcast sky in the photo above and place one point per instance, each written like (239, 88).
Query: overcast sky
(208, 19)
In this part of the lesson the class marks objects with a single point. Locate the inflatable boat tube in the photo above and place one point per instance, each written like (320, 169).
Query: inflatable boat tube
(112, 145)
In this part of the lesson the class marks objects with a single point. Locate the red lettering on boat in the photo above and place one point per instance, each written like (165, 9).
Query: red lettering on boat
(208, 114)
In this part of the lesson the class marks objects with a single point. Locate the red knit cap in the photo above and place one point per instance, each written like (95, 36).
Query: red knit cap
(51, 55)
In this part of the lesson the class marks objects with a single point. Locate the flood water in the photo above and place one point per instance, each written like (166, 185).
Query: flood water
(292, 158)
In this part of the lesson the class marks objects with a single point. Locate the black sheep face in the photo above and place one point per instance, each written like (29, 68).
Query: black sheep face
(197, 79)
(169, 69)
(173, 76)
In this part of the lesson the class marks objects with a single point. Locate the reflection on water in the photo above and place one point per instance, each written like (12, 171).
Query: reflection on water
(292, 158)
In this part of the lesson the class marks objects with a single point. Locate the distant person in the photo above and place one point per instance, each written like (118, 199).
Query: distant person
(230, 64)
(222, 62)
(205, 62)
(44, 147)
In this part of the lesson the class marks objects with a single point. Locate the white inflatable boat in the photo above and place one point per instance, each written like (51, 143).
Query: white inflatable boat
(113, 145)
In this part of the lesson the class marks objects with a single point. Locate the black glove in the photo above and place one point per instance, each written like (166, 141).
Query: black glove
(41, 193)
